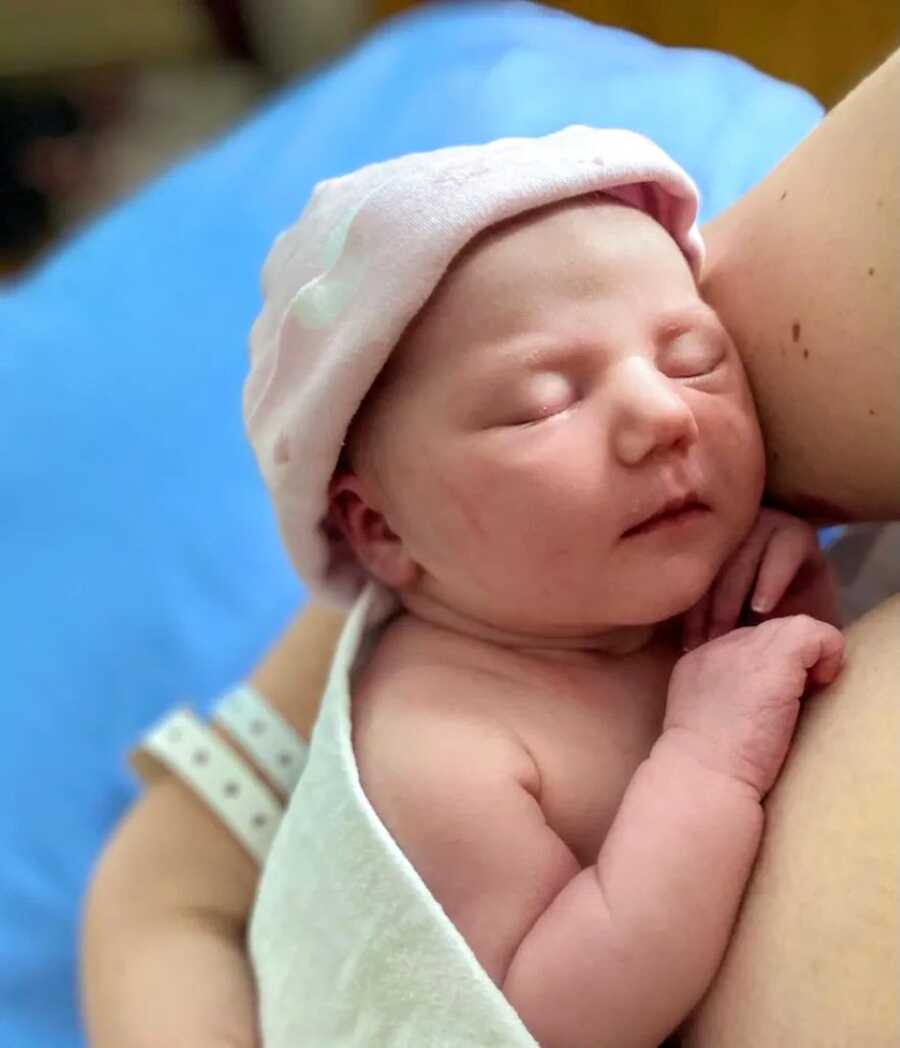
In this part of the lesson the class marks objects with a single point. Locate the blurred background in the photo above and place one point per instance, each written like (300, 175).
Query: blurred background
(97, 95)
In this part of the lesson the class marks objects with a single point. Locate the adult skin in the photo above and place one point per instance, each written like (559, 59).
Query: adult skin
(805, 273)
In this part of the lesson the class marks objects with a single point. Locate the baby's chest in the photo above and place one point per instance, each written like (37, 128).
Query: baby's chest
(588, 747)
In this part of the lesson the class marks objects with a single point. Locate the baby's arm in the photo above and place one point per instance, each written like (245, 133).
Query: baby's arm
(616, 954)
(627, 950)
(163, 953)
(619, 953)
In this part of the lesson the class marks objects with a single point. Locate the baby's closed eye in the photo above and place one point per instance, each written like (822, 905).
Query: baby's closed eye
(538, 397)
(692, 354)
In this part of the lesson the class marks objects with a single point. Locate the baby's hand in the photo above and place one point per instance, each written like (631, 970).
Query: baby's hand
(733, 702)
(782, 556)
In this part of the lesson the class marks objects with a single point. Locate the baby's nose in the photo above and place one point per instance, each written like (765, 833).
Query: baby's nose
(651, 413)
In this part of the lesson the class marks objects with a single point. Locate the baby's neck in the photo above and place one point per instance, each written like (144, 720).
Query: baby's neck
(557, 645)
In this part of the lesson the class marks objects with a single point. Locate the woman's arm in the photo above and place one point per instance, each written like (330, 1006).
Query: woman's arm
(168, 900)
(805, 272)
(173, 891)
(293, 674)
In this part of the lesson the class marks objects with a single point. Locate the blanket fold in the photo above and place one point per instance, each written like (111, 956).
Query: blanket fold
(349, 947)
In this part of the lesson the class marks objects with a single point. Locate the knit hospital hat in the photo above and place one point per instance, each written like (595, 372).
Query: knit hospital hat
(342, 284)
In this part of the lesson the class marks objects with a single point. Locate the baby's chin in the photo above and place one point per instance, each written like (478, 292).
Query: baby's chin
(561, 620)
(655, 608)
(650, 601)
(647, 598)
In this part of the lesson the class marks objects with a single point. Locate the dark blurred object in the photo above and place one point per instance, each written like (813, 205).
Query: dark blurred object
(69, 71)
(39, 155)
(49, 133)
(227, 17)
(58, 37)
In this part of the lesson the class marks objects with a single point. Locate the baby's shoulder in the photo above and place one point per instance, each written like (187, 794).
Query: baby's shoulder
(418, 690)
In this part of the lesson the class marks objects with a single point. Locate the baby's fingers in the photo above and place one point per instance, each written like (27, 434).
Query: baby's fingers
(825, 671)
(820, 649)
(786, 551)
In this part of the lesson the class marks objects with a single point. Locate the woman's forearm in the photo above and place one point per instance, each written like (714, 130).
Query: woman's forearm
(163, 959)
(804, 272)
(293, 674)
(182, 981)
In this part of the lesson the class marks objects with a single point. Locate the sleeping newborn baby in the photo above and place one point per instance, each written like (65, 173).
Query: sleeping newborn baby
(496, 414)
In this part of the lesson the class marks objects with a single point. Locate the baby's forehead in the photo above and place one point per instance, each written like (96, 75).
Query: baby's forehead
(543, 222)
(542, 277)
(575, 242)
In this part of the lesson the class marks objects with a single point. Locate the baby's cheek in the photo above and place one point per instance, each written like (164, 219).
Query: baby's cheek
(745, 409)
(730, 429)
(750, 439)
(740, 456)
(464, 506)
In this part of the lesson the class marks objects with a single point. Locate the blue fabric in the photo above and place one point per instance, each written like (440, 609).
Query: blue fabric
(138, 558)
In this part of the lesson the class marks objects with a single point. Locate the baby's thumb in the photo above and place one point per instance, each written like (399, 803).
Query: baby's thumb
(831, 660)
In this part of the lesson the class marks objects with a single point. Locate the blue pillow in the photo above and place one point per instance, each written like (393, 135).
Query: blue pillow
(138, 557)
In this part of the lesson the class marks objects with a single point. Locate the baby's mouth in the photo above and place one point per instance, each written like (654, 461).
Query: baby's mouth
(684, 510)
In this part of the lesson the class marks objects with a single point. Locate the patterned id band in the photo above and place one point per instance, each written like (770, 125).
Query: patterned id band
(199, 758)
(264, 734)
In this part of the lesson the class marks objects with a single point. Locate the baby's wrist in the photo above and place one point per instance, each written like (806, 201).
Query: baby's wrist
(708, 759)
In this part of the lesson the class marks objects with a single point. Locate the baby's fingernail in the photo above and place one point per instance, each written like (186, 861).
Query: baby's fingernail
(761, 605)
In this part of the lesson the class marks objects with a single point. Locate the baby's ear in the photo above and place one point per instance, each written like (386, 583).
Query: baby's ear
(354, 508)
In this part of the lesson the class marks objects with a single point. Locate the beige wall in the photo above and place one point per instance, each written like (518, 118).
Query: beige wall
(825, 45)
(50, 36)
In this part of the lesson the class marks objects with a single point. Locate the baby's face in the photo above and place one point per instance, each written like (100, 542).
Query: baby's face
(564, 384)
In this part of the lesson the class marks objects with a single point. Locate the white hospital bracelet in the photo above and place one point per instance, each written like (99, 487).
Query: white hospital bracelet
(277, 749)
(213, 771)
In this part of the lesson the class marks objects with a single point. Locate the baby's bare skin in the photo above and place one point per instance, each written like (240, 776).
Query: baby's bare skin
(587, 723)
(587, 824)
(577, 729)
